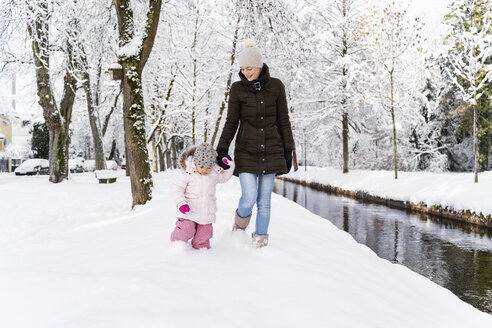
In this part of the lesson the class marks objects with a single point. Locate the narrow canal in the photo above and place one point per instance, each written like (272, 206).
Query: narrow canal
(455, 256)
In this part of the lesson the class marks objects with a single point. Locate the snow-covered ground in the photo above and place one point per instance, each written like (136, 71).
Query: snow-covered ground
(453, 190)
(74, 255)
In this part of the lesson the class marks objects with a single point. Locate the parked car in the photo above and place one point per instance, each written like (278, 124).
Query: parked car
(33, 166)
(123, 164)
(76, 165)
(90, 165)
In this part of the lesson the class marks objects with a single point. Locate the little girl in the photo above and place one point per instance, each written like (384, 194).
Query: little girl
(194, 194)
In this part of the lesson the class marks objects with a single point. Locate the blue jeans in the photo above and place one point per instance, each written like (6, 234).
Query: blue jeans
(256, 188)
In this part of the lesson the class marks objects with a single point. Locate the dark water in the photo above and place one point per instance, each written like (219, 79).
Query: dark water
(455, 256)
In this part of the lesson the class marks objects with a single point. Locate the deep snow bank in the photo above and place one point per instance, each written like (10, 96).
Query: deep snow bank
(452, 190)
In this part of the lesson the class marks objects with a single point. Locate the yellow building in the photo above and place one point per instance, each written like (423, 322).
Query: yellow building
(5, 132)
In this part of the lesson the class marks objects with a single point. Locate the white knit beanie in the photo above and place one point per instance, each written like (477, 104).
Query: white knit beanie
(250, 56)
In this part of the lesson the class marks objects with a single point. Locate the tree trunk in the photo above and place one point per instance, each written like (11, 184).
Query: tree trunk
(205, 129)
(345, 123)
(57, 122)
(66, 106)
(345, 132)
(228, 85)
(168, 153)
(394, 124)
(93, 121)
(106, 119)
(169, 160)
(193, 127)
(112, 153)
(194, 113)
(92, 97)
(137, 160)
(162, 165)
(127, 168)
(158, 145)
(174, 154)
(154, 156)
(475, 140)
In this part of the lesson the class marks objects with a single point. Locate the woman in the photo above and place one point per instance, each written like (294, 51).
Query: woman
(264, 143)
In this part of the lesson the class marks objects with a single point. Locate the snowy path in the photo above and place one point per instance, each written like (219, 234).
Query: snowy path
(452, 190)
(73, 255)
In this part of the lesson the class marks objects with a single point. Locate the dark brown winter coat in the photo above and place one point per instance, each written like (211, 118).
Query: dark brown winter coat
(264, 126)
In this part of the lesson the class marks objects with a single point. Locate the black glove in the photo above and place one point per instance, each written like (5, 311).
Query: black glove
(288, 158)
(222, 159)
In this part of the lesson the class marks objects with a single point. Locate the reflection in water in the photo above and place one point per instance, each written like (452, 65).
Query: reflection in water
(345, 218)
(395, 246)
(447, 253)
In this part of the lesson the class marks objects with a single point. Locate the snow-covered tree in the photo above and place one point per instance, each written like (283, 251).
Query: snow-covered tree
(429, 146)
(469, 57)
(57, 115)
(90, 55)
(360, 94)
(137, 25)
(183, 77)
(345, 64)
(234, 40)
(390, 35)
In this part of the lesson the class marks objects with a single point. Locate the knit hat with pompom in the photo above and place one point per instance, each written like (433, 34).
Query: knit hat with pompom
(205, 155)
(250, 56)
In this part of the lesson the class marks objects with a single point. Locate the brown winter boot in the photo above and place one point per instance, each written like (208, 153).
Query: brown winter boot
(241, 223)
(259, 241)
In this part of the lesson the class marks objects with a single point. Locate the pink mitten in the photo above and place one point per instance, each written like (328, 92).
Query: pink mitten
(184, 209)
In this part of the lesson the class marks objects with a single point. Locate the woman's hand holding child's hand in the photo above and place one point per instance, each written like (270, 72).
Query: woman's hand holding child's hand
(223, 159)
(184, 209)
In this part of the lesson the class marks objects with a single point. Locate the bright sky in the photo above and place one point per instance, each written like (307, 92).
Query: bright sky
(432, 13)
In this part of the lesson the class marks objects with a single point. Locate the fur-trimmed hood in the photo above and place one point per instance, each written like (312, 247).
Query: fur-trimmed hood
(184, 155)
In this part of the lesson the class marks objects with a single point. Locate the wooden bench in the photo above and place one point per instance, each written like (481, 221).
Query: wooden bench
(106, 176)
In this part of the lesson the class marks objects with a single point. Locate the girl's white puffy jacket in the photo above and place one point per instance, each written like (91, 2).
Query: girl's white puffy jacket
(198, 191)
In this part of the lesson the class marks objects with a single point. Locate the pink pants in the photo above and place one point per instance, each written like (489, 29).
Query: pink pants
(187, 229)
